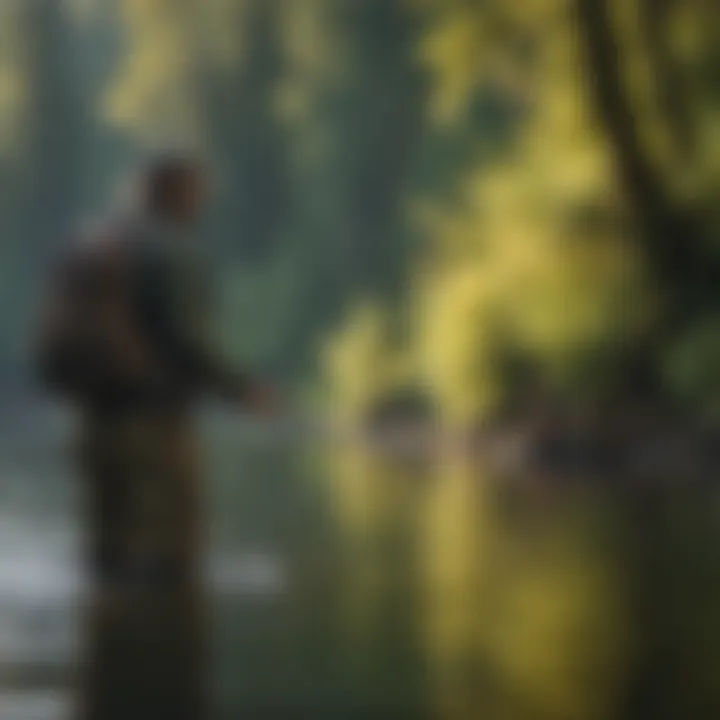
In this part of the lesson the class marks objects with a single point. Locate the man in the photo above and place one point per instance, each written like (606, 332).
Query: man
(125, 338)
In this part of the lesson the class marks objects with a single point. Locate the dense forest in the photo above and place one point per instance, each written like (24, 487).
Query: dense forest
(482, 203)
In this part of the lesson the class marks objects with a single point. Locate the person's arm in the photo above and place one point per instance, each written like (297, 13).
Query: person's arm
(176, 315)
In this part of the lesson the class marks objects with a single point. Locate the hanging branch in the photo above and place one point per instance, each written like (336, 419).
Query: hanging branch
(671, 88)
(672, 234)
(640, 180)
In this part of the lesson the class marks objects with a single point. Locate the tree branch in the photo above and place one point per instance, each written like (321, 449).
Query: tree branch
(640, 181)
(672, 234)
(670, 88)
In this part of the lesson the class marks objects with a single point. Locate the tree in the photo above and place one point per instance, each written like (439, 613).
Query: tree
(584, 252)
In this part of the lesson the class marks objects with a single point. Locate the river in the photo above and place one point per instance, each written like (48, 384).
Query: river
(345, 584)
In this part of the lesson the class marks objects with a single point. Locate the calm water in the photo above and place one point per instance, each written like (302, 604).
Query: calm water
(344, 585)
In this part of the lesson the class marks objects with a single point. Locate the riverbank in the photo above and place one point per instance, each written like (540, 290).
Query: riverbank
(627, 443)
(631, 447)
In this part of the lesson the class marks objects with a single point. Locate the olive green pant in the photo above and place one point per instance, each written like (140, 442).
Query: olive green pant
(144, 653)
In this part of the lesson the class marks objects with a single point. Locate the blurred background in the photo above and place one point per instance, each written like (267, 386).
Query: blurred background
(439, 221)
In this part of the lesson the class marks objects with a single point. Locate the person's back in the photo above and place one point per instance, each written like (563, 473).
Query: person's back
(135, 408)
(93, 348)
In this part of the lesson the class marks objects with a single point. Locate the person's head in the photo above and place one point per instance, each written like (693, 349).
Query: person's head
(174, 187)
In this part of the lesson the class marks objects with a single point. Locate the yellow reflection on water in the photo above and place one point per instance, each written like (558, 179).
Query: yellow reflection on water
(520, 598)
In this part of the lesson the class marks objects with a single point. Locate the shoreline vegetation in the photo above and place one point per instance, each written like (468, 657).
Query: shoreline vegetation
(556, 450)
(625, 444)
(575, 261)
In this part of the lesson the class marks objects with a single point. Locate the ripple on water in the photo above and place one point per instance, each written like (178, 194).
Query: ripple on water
(34, 705)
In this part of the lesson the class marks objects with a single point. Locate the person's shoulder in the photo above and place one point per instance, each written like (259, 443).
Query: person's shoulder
(98, 244)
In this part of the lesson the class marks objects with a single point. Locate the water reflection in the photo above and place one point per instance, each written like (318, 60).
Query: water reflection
(346, 584)
(537, 599)
(378, 507)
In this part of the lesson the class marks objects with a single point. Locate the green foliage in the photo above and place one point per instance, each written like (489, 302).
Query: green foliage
(692, 364)
(309, 112)
(360, 364)
(459, 161)
(550, 252)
